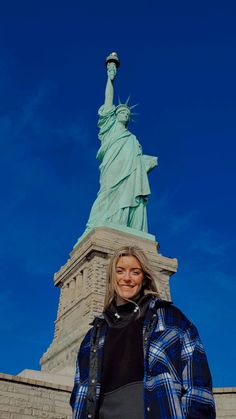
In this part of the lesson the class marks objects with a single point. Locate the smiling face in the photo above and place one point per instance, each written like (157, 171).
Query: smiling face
(129, 278)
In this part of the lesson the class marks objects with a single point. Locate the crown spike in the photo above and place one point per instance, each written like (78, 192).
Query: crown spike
(133, 106)
(127, 100)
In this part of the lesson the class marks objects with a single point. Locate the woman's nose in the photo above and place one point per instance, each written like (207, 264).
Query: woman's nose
(127, 276)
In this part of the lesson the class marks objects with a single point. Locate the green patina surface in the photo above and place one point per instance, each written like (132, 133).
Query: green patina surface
(124, 187)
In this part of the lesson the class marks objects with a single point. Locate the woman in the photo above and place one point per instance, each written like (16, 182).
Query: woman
(142, 358)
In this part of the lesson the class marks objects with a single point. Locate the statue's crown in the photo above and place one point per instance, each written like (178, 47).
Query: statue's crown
(125, 105)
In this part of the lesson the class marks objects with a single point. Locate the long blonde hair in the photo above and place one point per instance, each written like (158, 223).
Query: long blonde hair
(150, 285)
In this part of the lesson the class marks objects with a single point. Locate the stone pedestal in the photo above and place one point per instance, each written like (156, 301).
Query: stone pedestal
(82, 284)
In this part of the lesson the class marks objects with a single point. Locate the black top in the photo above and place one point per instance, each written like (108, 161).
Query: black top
(123, 361)
(123, 350)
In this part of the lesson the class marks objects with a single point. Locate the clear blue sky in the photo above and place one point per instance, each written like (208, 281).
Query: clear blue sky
(178, 61)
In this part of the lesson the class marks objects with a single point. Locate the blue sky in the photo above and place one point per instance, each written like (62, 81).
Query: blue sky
(178, 62)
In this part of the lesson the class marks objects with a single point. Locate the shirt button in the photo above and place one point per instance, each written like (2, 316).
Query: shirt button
(93, 381)
(89, 416)
(148, 409)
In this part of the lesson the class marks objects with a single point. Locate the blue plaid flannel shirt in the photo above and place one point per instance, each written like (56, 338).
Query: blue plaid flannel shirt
(177, 380)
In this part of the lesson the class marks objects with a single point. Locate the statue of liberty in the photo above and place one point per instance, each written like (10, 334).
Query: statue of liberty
(124, 187)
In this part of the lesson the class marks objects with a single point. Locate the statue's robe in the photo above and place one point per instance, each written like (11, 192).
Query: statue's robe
(124, 185)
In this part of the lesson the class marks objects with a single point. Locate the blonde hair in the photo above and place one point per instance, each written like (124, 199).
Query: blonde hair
(149, 283)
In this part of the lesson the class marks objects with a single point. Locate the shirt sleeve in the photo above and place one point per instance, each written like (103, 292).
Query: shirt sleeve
(197, 399)
(80, 390)
(76, 384)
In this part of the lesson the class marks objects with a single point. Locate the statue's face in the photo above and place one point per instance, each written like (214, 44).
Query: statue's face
(123, 116)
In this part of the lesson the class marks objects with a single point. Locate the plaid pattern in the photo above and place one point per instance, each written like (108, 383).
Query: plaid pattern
(177, 380)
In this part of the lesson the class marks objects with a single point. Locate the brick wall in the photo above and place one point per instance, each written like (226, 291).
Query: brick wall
(225, 402)
(22, 398)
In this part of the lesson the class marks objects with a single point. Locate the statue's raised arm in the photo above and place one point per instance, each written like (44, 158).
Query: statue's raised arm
(124, 187)
(112, 63)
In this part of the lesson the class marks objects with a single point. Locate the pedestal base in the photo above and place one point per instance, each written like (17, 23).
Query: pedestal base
(82, 283)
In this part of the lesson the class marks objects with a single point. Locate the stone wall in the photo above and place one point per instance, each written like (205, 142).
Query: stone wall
(225, 399)
(22, 398)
